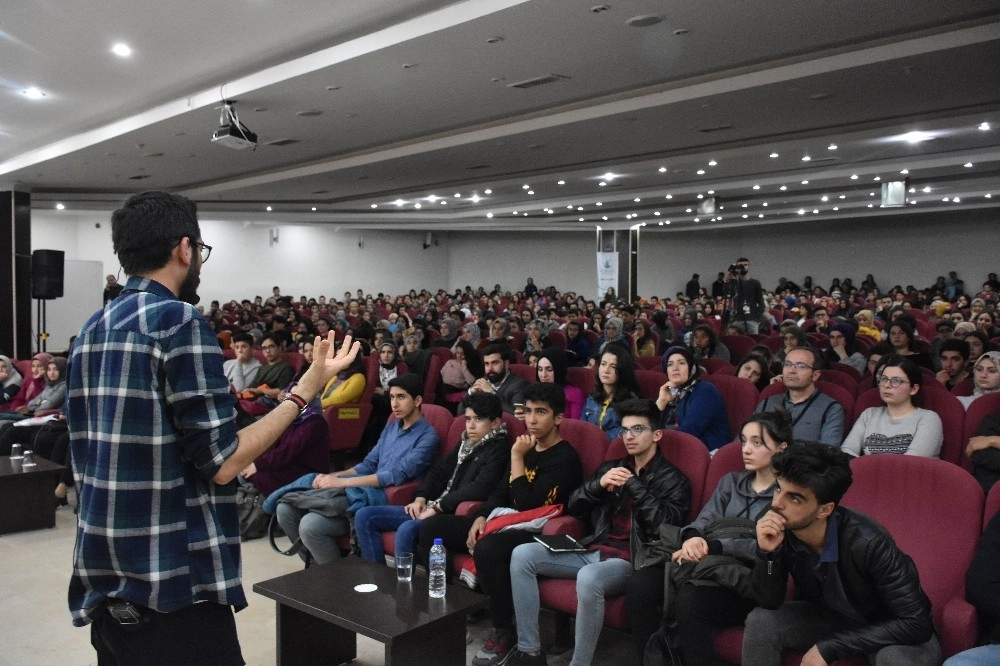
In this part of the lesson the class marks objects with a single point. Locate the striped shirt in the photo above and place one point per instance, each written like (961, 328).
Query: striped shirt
(151, 420)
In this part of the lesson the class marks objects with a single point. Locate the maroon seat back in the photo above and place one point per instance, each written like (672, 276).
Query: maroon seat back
(714, 364)
(557, 338)
(739, 395)
(590, 443)
(912, 497)
(738, 345)
(525, 372)
(650, 383)
(582, 378)
(842, 379)
(728, 458)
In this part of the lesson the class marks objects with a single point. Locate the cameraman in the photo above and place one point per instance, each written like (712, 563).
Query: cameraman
(747, 298)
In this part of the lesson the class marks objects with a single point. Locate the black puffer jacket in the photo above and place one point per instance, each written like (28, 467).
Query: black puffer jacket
(661, 495)
(879, 582)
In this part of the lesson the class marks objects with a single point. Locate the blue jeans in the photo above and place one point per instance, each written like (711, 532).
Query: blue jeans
(371, 521)
(595, 580)
(985, 655)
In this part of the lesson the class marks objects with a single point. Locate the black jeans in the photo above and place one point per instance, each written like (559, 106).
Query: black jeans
(202, 634)
(492, 557)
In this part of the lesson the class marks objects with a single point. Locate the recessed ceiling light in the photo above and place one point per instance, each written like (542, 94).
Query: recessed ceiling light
(669, 196)
(985, 127)
(34, 93)
(968, 165)
(458, 195)
(701, 172)
(764, 204)
(526, 187)
(314, 207)
(487, 191)
(609, 176)
(696, 220)
(550, 211)
(801, 211)
(927, 189)
(871, 194)
(806, 158)
(842, 196)
(836, 207)
(581, 219)
(871, 205)
(743, 206)
(579, 207)
(987, 196)
(399, 202)
(374, 205)
(432, 198)
(268, 209)
(783, 188)
(774, 155)
(712, 163)
(489, 215)
(912, 190)
(604, 217)
(444, 202)
(121, 50)
(916, 137)
(877, 178)
(59, 206)
(531, 191)
(745, 216)
(688, 210)
(525, 215)
(956, 200)
(561, 182)
(602, 183)
(805, 182)
(905, 171)
(711, 191)
(599, 203)
(416, 205)
(832, 146)
(662, 169)
(475, 198)
(514, 213)
(657, 213)
(701, 196)
(946, 199)
(854, 177)
(815, 211)
(756, 187)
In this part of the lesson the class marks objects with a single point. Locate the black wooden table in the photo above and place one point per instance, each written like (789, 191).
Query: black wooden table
(319, 615)
(27, 499)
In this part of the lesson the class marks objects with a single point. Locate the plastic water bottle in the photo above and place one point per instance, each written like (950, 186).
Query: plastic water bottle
(438, 561)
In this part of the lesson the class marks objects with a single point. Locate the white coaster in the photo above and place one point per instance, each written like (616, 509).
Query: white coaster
(365, 587)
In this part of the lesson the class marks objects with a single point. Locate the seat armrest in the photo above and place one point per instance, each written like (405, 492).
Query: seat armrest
(574, 527)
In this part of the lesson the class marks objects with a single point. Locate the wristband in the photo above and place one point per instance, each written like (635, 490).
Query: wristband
(297, 400)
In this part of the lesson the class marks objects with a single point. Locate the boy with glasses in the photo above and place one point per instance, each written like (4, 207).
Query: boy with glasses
(625, 500)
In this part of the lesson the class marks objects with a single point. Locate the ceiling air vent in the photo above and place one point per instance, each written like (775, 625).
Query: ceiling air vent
(281, 142)
(537, 81)
(717, 128)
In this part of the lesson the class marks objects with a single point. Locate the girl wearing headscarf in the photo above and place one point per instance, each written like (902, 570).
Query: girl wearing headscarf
(459, 373)
(10, 381)
(470, 334)
(499, 332)
(535, 340)
(613, 335)
(842, 349)
(866, 324)
(449, 333)
(347, 386)
(31, 387)
(986, 378)
(552, 366)
(794, 337)
(689, 404)
(51, 397)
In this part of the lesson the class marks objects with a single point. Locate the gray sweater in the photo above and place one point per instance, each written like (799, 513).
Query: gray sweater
(919, 433)
(734, 497)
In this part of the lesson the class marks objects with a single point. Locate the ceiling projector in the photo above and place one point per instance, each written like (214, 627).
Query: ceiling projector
(232, 133)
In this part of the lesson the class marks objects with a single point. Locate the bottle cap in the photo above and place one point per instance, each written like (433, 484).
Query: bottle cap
(438, 542)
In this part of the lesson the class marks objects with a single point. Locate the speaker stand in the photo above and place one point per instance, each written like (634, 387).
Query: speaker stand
(41, 324)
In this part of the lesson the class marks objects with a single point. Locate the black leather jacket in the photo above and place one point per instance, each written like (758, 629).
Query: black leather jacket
(661, 494)
(878, 581)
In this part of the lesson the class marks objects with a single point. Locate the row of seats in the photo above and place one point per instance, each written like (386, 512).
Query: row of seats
(912, 497)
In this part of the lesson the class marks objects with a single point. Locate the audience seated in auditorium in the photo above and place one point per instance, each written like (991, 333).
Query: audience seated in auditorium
(10, 381)
(793, 337)
(876, 608)
(577, 346)
(697, 610)
(262, 395)
(612, 336)
(551, 368)
(954, 355)
(30, 386)
(644, 345)
(242, 370)
(303, 448)
(866, 324)
(535, 340)
(900, 426)
(449, 334)
(979, 344)
(404, 451)
(755, 369)
(470, 472)
(346, 387)
(816, 417)
(841, 349)
(614, 381)
(690, 404)
(901, 337)
(986, 377)
(705, 344)
(497, 378)
(625, 502)
(544, 470)
(49, 399)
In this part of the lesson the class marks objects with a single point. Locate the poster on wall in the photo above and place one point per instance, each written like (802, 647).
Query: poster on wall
(607, 272)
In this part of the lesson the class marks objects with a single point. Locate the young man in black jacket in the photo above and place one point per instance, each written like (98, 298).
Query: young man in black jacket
(856, 593)
(625, 500)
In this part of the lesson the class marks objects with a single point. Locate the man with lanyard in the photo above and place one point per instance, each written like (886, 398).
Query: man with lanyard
(156, 568)
(816, 417)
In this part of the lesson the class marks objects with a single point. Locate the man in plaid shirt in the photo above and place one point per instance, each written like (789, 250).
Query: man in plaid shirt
(156, 452)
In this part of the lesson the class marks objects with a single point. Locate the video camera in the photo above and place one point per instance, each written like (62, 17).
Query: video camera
(736, 269)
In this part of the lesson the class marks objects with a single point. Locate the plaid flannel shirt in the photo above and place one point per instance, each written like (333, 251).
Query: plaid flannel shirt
(151, 421)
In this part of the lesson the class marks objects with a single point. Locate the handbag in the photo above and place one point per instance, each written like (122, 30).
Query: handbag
(253, 519)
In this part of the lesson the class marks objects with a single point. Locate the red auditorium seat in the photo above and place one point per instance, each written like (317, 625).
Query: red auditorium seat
(650, 383)
(714, 364)
(347, 422)
(842, 379)
(433, 377)
(738, 345)
(582, 378)
(557, 338)
(525, 372)
(728, 458)
(654, 363)
(739, 395)
(936, 493)
(978, 410)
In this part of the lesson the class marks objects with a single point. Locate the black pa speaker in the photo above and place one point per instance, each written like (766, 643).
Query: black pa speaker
(47, 273)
